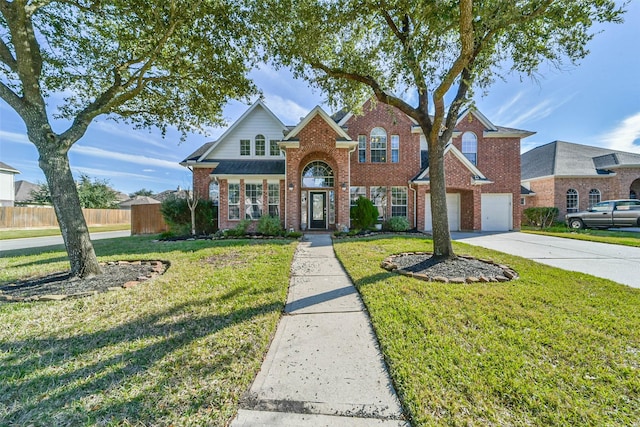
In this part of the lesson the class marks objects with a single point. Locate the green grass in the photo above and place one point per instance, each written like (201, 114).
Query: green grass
(626, 238)
(551, 348)
(42, 232)
(179, 350)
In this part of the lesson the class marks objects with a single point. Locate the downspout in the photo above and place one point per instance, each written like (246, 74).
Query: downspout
(286, 190)
(415, 200)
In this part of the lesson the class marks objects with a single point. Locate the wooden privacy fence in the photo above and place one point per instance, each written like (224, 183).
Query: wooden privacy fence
(40, 217)
(147, 219)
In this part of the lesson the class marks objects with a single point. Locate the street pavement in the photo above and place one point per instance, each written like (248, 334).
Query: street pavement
(324, 367)
(36, 242)
(615, 262)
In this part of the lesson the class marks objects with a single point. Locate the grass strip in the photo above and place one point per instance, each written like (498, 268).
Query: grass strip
(179, 350)
(551, 348)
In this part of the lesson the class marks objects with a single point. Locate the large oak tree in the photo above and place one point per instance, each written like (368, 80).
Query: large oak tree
(144, 62)
(355, 48)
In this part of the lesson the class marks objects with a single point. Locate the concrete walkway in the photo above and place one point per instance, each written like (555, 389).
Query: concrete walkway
(324, 367)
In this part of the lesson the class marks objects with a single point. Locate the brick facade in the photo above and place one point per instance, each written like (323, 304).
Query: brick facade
(318, 138)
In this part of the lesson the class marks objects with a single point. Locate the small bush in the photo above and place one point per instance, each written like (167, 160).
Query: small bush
(239, 230)
(293, 234)
(269, 226)
(177, 215)
(397, 223)
(540, 217)
(364, 214)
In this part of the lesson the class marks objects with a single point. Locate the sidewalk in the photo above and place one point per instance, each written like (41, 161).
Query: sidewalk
(324, 367)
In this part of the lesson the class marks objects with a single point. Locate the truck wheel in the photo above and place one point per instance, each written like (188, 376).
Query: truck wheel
(576, 224)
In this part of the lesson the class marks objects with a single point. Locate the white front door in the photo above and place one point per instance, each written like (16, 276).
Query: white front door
(453, 210)
(497, 212)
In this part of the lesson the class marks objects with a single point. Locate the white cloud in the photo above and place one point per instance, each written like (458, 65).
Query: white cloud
(130, 133)
(626, 136)
(286, 110)
(18, 138)
(109, 173)
(518, 112)
(148, 170)
(129, 158)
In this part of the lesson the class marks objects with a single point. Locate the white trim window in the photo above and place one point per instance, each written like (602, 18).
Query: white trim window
(274, 150)
(214, 191)
(355, 193)
(572, 200)
(395, 148)
(399, 199)
(362, 148)
(260, 145)
(470, 146)
(594, 197)
(378, 145)
(234, 201)
(245, 147)
(274, 199)
(253, 201)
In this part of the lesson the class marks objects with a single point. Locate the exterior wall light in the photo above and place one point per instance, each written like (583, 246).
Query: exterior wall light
(343, 186)
(291, 186)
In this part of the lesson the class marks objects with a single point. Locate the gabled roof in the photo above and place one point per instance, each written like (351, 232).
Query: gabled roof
(560, 158)
(6, 168)
(478, 177)
(202, 152)
(23, 190)
(483, 119)
(318, 111)
(139, 200)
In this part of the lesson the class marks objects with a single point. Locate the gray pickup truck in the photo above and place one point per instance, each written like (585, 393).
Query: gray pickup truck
(611, 213)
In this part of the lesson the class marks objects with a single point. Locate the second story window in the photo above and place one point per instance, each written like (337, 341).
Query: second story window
(245, 147)
(470, 146)
(378, 145)
(260, 145)
(274, 150)
(395, 148)
(362, 148)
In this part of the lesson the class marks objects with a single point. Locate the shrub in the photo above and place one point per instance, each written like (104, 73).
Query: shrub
(239, 230)
(293, 234)
(364, 214)
(540, 217)
(269, 226)
(177, 215)
(397, 223)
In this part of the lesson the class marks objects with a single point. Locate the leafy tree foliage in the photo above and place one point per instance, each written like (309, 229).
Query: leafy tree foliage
(356, 48)
(93, 194)
(142, 192)
(147, 63)
(364, 214)
(177, 214)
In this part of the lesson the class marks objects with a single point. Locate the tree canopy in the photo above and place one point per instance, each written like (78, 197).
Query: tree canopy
(414, 54)
(147, 63)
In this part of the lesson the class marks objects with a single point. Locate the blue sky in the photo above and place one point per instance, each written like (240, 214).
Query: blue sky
(596, 103)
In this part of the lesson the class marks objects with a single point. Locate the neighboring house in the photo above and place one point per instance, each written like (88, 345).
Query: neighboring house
(310, 174)
(574, 177)
(23, 190)
(179, 193)
(138, 200)
(7, 192)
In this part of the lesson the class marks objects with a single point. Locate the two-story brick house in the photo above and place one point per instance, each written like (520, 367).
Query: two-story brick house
(310, 174)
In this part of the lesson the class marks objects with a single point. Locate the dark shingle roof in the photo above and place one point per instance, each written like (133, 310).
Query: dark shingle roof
(561, 158)
(249, 167)
(524, 191)
(23, 190)
(199, 152)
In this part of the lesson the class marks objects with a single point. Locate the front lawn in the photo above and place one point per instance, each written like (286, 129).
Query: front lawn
(551, 348)
(627, 238)
(179, 350)
(43, 232)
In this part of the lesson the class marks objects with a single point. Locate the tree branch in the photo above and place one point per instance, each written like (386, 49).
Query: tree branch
(7, 57)
(12, 99)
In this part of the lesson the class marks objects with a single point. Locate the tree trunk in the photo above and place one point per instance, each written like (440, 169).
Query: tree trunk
(64, 196)
(442, 247)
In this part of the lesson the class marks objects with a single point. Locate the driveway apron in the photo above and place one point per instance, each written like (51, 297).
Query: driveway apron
(324, 367)
(615, 262)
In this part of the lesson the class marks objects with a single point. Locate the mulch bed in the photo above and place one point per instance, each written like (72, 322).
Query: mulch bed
(58, 286)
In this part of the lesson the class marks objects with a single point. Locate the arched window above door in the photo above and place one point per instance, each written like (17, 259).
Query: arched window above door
(317, 175)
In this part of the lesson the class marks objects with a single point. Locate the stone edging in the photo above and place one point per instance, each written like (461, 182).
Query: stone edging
(159, 267)
(508, 273)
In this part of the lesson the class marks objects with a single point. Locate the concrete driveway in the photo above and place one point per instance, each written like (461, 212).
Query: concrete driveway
(615, 262)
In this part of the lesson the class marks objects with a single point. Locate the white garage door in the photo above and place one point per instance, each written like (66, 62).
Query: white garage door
(453, 210)
(497, 212)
